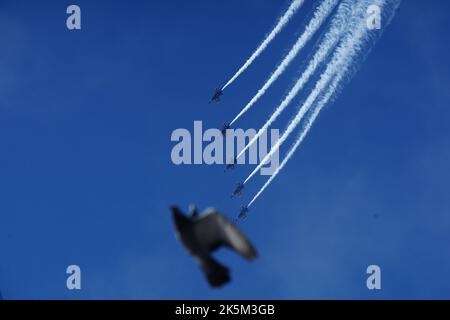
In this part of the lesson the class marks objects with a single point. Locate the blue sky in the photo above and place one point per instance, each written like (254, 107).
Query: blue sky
(86, 176)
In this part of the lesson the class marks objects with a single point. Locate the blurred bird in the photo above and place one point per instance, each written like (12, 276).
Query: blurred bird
(202, 234)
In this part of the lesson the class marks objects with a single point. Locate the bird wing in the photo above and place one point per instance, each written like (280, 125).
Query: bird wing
(213, 230)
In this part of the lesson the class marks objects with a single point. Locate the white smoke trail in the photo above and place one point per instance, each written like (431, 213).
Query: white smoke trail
(331, 38)
(312, 118)
(389, 11)
(320, 15)
(295, 5)
(342, 57)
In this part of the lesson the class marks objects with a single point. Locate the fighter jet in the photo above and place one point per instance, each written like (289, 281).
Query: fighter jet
(238, 190)
(243, 212)
(225, 127)
(230, 166)
(218, 92)
(203, 234)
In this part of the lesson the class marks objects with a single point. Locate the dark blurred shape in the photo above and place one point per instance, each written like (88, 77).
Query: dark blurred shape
(203, 234)
(225, 127)
(230, 166)
(243, 212)
(216, 96)
(238, 190)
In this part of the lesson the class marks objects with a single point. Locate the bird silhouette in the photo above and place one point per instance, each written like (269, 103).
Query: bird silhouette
(202, 234)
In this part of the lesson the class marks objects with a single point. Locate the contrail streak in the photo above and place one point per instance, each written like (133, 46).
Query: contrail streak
(295, 5)
(320, 15)
(342, 57)
(303, 134)
(389, 11)
(331, 38)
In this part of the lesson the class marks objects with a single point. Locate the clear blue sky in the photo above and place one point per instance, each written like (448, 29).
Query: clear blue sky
(86, 176)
